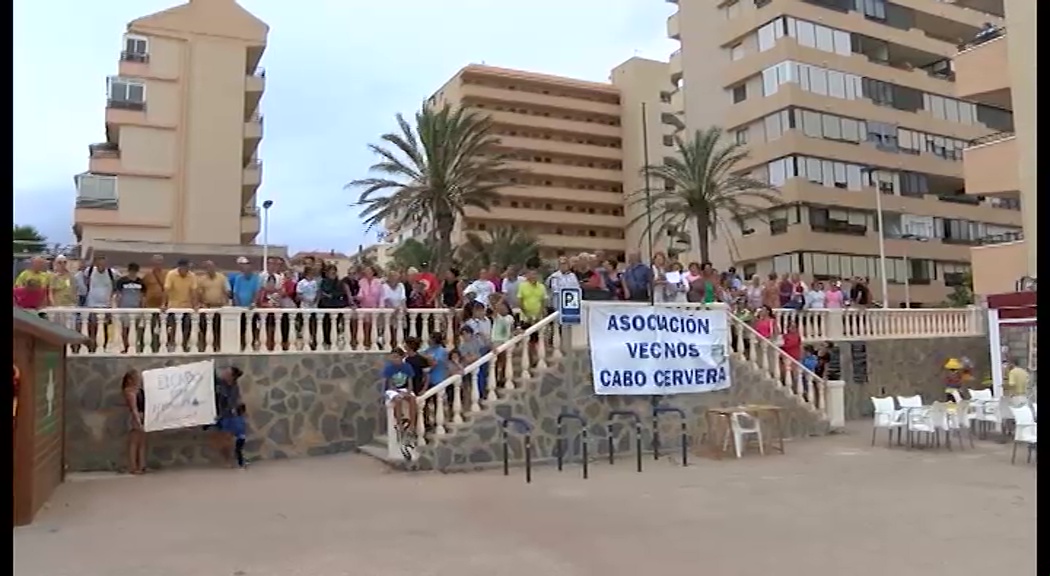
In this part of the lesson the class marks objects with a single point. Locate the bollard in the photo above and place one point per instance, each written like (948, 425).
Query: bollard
(560, 441)
(657, 411)
(525, 429)
(637, 434)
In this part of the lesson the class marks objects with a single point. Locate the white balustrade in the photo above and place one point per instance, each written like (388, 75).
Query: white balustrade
(882, 323)
(150, 331)
(768, 358)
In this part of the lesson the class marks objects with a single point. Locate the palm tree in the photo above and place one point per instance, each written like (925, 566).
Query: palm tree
(413, 254)
(503, 247)
(27, 240)
(707, 190)
(434, 171)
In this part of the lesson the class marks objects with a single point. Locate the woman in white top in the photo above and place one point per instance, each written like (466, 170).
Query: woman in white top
(307, 289)
(677, 289)
(392, 296)
(480, 289)
(816, 299)
(754, 291)
(659, 277)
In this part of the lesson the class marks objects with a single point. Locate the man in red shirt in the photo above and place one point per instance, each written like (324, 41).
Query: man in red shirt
(428, 279)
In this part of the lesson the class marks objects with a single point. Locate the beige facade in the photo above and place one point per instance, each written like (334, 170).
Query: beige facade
(179, 164)
(578, 148)
(838, 101)
(1000, 69)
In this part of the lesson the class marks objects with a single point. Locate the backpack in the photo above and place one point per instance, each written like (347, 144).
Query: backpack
(87, 283)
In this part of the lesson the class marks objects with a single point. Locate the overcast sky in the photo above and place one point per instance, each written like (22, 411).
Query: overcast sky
(337, 72)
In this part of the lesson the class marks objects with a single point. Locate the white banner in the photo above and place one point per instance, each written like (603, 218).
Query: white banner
(644, 350)
(179, 396)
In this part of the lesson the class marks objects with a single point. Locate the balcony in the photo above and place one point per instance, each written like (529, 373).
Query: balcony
(982, 71)
(96, 191)
(254, 86)
(496, 94)
(552, 123)
(993, 7)
(253, 128)
(250, 222)
(675, 66)
(252, 175)
(990, 165)
(104, 158)
(120, 112)
(504, 214)
(582, 243)
(672, 27)
(560, 147)
(565, 171)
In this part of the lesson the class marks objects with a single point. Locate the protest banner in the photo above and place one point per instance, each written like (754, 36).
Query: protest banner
(648, 350)
(179, 396)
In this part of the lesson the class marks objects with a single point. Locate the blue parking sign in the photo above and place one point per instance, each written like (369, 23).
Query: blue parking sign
(570, 302)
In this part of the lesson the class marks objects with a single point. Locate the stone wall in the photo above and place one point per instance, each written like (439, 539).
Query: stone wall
(907, 367)
(567, 386)
(298, 405)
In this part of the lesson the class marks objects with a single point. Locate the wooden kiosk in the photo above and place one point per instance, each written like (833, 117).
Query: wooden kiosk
(39, 423)
(1010, 309)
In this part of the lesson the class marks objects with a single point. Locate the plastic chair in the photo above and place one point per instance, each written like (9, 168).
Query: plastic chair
(956, 396)
(741, 425)
(920, 421)
(938, 415)
(909, 401)
(887, 417)
(1024, 430)
(961, 419)
(982, 395)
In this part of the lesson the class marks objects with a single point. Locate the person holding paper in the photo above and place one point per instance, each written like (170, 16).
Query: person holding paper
(675, 287)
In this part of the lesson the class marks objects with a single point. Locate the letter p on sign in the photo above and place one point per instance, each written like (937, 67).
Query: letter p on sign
(569, 304)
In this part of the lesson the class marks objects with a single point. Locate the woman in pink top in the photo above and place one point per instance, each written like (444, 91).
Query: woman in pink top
(765, 323)
(833, 296)
(370, 295)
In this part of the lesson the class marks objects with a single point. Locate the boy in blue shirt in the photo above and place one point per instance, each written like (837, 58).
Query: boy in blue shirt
(398, 374)
(471, 348)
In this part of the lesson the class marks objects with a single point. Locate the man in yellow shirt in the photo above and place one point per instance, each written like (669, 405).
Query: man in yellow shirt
(36, 272)
(1017, 379)
(532, 297)
(214, 292)
(180, 291)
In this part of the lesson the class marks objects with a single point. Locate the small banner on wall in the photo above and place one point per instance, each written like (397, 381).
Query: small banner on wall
(646, 350)
(179, 396)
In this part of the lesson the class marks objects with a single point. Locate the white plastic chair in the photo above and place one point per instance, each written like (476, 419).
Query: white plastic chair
(909, 401)
(1034, 414)
(981, 395)
(1024, 430)
(960, 420)
(887, 417)
(920, 421)
(938, 415)
(990, 413)
(956, 396)
(741, 425)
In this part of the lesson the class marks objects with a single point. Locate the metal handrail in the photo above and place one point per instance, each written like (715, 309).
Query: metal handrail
(988, 139)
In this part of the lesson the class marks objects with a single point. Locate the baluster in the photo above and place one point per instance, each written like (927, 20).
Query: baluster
(357, 341)
(191, 341)
(526, 361)
(555, 339)
(457, 400)
(373, 326)
(508, 369)
(541, 349)
(207, 337)
(475, 389)
(439, 413)
(494, 376)
(421, 422)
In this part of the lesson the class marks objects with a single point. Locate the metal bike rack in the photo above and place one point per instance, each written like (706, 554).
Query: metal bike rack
(659, 410)
(561, 440)
(525, 429)
(637, 434)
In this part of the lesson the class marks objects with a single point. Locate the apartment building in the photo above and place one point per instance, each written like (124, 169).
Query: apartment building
(577, 148)
(999, 68)
(179, 162)
(848, 107)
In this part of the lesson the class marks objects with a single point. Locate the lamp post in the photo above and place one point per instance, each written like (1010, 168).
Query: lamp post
(648, 192)
(907, 267)
(266, 236)
(883, 281)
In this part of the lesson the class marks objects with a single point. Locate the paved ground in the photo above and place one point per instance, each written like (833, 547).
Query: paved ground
(831, 506)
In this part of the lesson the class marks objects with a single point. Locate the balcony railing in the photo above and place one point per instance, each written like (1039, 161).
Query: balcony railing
(1001, 238)
(985, 35)
(96, 203)
(259, 72)
(994, 137)
(134, 57)
(230, 330)
(125, 105)
(250, 211)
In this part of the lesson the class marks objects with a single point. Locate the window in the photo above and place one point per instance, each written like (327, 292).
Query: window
(96, 186)
(914, 184)
(949, 109)
(136, 49)
(838, 221)
(128, 94)
(739, 93)
(737, 52)
(873, 9)
(998, 119)
(778, 123)
(769, 34)
(883, 135)
(740, 136)
(877, 91)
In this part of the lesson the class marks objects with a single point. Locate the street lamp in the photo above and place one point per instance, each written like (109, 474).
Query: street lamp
(870, 171)
(266, 235)
(907, 267)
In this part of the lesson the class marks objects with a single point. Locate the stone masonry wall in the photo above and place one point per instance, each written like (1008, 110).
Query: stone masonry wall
(907, 367)
(298, 405)
(568, 386)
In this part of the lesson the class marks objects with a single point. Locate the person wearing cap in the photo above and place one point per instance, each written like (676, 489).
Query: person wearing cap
(953, 380)
(61, 288)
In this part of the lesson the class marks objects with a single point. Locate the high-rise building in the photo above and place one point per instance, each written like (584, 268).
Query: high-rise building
(578, 148)
(999, 68)
(847, 106)
(179, 162)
